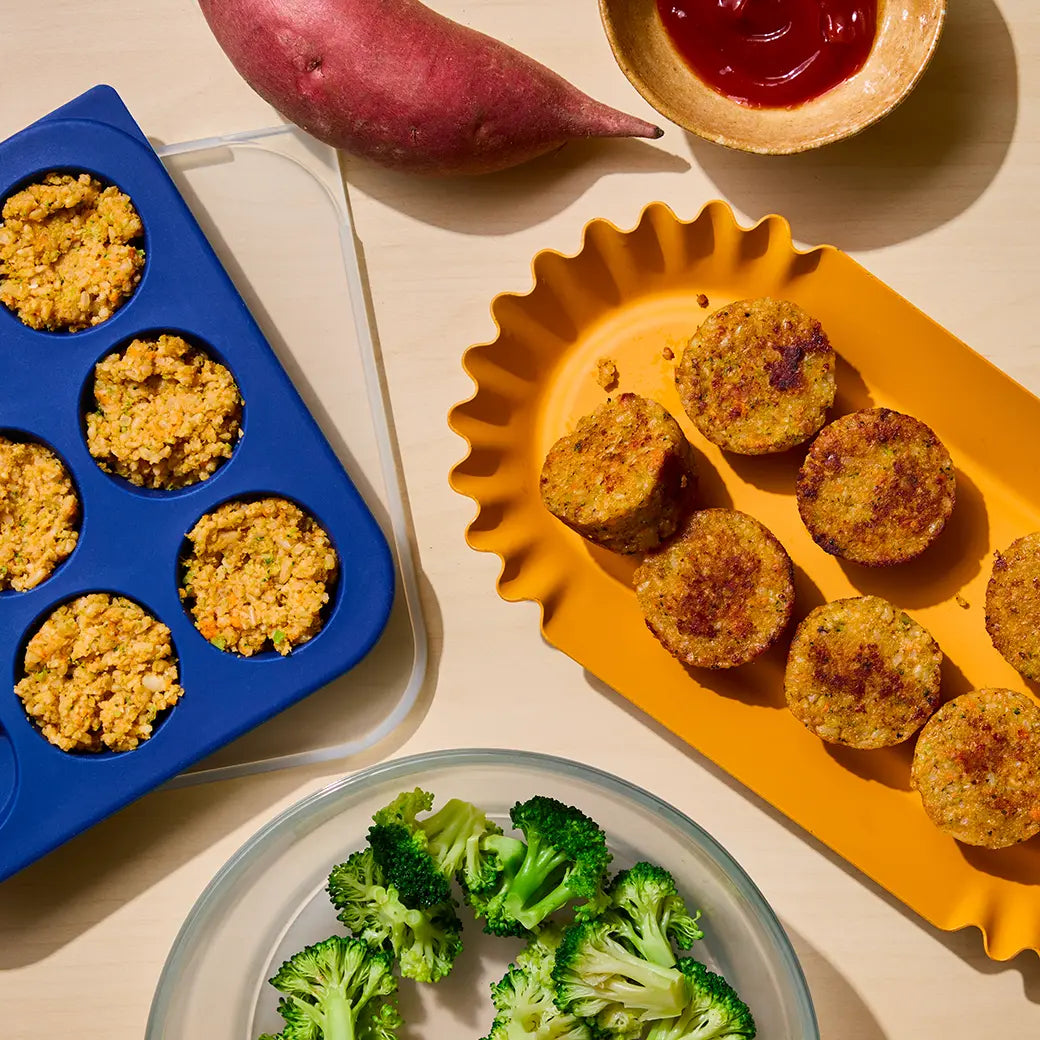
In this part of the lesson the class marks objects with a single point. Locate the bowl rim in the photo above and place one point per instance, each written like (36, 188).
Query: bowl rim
(242, 858)
(653, 98)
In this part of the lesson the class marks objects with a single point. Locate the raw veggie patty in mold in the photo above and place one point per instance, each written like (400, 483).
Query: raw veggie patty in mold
(97, 673)
(167, 415)
(258, 576)
(39, 512)
(69, 252)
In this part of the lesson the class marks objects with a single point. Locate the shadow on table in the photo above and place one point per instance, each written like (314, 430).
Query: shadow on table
(502, 203)
(965, 943)
(915, 170)
(840, 1010)
(52, 901)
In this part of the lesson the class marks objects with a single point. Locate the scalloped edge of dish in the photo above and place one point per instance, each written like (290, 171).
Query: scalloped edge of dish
(998, 944)
(458, 415)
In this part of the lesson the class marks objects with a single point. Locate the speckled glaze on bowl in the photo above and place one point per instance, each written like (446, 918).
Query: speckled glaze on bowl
(907, 35)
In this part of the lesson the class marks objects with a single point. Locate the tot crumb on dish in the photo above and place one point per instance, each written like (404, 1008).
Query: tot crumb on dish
(667, 353)
(67, 253)
(1013, 605)
(38, 514)
(623, 478)
(607, 373)
(167, 414)
(977, 768)
(757, 377)
(702, 301)
(258, 576)
(719, 593)
(862, 673)
(97, 673)
(876, 487)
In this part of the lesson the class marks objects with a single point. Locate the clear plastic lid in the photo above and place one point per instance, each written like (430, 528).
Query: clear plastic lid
(274, 207)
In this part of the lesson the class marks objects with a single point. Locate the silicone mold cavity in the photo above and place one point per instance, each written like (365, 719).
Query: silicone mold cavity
(128, 538)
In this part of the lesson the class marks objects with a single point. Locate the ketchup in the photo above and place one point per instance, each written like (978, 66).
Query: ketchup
(771, 53)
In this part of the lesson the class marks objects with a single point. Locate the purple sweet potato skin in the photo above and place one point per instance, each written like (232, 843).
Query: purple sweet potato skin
(395, 82)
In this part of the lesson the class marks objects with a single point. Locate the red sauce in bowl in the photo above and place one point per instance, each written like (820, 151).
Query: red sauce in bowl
(772, 53)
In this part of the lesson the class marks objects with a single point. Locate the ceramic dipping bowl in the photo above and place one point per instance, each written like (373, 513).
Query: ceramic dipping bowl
(907, 34)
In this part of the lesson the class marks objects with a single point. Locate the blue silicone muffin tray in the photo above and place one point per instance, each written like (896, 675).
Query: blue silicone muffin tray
(131, 540)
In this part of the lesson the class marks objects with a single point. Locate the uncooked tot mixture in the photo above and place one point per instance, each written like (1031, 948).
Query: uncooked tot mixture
(38, 514)
(862, 673)
(258, 576)
(1013, 604)
(623, 478)
(97, 672)
(720, 592)
(757, 376)
(876, 487)
(69, 252)
(977, 768)
(167, 414)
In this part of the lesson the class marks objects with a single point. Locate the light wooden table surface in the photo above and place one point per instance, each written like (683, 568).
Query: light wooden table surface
(940, 201)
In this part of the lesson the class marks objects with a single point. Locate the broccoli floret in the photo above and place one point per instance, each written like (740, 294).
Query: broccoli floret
(419, 857)
(338, 989)
(524, 1002)
(539, 955)
(488, 858)
(565, 859)
(597, 977)
(487, 905)
(714, 1011)
(425, 942)
(646, 912)
(495, 861)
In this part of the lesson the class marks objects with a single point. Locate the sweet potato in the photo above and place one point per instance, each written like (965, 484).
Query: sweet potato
(396, 82)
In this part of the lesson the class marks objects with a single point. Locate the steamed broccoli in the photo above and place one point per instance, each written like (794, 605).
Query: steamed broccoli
(564, 859)
(714, 1011)
(425, 942)
(489, 858)
(419, 857)
(599, 978)
(523, 999)
(646, 911)
(611, 975)
(539, 955)
(338, 989)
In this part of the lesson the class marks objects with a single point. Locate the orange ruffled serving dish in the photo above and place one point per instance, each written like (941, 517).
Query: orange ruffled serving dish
(628, 295)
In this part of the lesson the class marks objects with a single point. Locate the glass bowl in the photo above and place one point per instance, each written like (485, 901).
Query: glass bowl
(268, 901)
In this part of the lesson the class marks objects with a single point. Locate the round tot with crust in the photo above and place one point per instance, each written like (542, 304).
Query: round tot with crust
(876, 487)
(1013, 605)
(977, 768)
(757, 376)
(720, 592)
(624, 478)
(862, 673)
